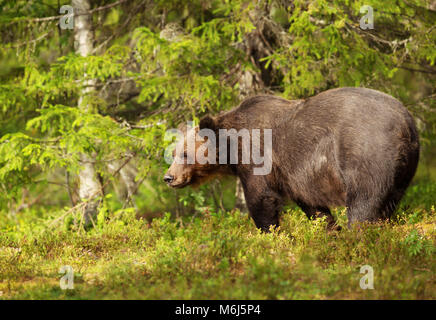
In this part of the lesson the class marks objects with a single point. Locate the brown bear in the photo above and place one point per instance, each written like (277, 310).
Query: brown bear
(352, 147)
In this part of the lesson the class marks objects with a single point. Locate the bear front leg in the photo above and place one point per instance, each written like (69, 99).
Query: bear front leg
(264, 209)
(264, 212)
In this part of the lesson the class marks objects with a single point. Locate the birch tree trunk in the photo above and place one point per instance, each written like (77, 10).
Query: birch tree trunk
(128, 185)
(90, 186)
(240, 197)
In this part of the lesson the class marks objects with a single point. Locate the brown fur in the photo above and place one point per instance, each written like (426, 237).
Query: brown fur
(350, 147)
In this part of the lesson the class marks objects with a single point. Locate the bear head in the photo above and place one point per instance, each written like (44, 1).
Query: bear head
(192, 156)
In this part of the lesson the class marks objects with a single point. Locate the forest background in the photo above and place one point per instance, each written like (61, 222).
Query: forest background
(85, 102)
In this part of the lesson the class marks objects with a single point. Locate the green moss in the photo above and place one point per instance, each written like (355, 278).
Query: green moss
(221, 256)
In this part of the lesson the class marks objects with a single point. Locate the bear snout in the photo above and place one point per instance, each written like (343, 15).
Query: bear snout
(168, 178)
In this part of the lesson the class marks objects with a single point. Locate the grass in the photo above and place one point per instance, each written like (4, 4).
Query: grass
(218, 256)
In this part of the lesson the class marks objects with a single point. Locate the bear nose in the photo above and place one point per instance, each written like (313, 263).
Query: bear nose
(168, 178)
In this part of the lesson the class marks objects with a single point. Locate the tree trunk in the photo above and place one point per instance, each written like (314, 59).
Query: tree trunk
(240, 198)
(90, 186)
(127, 187)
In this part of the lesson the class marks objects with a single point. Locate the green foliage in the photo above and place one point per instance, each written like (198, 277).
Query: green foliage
(216, 256)
(420, 195)
(416, 244)
(157, 64)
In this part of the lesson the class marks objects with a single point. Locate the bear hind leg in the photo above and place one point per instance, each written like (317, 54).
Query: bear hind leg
(319, 212)
(391, 203)
(360, 209)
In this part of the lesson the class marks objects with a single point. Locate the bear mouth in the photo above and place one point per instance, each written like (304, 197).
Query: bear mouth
(179, 185)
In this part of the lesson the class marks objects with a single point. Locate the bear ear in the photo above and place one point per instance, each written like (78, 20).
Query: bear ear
(208, 123)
